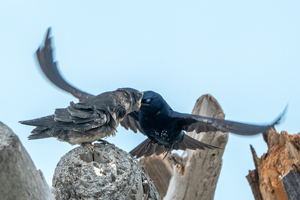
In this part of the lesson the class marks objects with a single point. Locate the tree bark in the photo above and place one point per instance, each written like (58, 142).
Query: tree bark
(195, 173)
(19, 178)
(278, 170)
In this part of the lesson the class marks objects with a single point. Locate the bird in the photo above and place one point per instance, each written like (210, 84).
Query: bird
(91, 119)
(165, 128)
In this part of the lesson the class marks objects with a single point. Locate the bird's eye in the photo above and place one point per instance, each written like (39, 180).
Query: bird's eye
(146, 100)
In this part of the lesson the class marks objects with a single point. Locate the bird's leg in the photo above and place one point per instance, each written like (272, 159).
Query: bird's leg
(89, 146)
(168, 150)
(178, 162)
(167, 153)
(105, 142)
(172, 158)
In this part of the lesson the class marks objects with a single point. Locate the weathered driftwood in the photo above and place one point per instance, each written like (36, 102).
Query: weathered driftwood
(252, 178)
(160, 170)
(108, 173)
(277, 171)
(195, 173)
(19, 178)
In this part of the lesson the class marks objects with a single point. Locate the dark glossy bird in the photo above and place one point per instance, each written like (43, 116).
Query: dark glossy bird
(94, 118)
(166, 128)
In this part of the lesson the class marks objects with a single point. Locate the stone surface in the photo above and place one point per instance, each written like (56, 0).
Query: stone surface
(108, 173)
(19, 178)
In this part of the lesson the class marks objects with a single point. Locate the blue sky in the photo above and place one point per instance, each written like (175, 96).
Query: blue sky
(245, 54)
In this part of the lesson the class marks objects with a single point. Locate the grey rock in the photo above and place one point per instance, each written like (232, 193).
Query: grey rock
(108, 173)
(19, 178)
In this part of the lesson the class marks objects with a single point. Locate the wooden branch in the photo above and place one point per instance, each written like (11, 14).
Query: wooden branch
(19, 178)
(278, 170)
(160, 174)
(195, 173)
(252, 178)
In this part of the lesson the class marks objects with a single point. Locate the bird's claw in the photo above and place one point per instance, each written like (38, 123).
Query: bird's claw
(90, 146)
(105, 142)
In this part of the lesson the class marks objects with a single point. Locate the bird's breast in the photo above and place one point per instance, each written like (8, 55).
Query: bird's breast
(161, 134)
(158, 126)
(166, 137)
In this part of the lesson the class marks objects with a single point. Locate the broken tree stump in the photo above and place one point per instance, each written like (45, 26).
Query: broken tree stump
(276, 175)
(19, 178)
(195, 173)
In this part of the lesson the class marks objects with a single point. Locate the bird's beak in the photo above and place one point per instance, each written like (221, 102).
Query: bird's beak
(140, 101)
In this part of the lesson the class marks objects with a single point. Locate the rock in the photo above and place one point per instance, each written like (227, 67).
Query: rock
(108, 173)
(19, 178)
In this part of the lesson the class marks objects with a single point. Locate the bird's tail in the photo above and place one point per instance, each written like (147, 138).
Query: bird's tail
(147, 149)
(47, 121)
(42, 129)
(39, 135)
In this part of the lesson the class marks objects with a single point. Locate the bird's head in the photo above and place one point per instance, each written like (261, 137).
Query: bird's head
(131, 98)
(153, 101)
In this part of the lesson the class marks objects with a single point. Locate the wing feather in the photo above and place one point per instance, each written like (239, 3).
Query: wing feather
(131, 121)
(50, 69)
(189, 122)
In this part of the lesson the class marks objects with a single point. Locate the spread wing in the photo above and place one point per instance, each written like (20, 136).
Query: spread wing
(49, 67)
(131, 121)
(147, 149)
(199, 123)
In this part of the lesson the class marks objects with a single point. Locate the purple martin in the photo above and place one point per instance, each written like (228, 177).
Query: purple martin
(166, 128)
(93, 118)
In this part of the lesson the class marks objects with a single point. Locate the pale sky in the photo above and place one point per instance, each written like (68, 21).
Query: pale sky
(244, 53)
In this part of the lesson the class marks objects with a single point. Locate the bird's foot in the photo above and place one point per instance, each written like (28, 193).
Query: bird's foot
(105, 142)
(173, 159)
(178, 162)
(167, 153)
(90, 146)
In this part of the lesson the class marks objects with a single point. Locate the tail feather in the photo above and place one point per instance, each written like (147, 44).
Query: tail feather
(38, 129)
(191, 143)
(186, 143)
(40, 135)
(152, 150)
(43, 121)
(43, 128)
(138, 151)
(160, 149)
